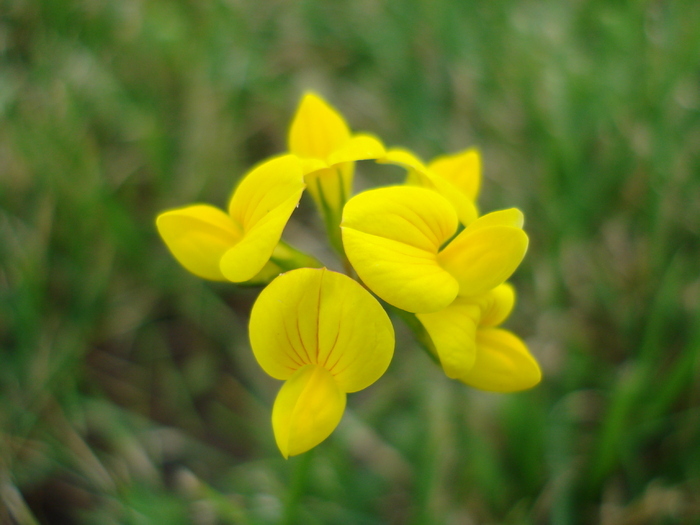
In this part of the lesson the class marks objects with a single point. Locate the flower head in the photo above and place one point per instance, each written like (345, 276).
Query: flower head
(325, 335)
(236, 246)
(397, 240)
(473, 350)
(321, 138)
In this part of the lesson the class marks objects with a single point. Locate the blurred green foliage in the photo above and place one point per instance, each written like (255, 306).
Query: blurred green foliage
(128, 392)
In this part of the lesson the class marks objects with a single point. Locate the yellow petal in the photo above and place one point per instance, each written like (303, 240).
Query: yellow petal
(282, 323)
(503, 363)
(453, 332)
(497, 305)
(355, 337)
(262, 204)
(483, 259)
(406, 277)
(307, 409)
(463, 170)
(415, 216)
(358, 147)
(198, 236)
(315, 316)
(420, 175)
(391, 237)
(317, 129)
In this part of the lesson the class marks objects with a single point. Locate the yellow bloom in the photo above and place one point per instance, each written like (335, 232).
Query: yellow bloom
(325, 335)
(322, 139)
(236, 246)
(457, 177)
(474, 351)
(394, 239)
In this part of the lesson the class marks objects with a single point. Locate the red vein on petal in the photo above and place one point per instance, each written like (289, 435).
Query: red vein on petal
(344, 369)
(337, 335)
(294, 350)
(302, 341)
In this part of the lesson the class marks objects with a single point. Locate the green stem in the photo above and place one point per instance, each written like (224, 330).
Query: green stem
(297, 487)
(419, 331)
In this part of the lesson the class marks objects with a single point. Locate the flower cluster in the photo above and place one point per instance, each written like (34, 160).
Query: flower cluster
(421, 247)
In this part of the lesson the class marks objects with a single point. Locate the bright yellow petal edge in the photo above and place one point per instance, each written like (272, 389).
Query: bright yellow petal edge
(325, 335)
(236, 247)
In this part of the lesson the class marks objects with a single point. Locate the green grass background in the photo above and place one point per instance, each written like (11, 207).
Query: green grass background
(128, 393)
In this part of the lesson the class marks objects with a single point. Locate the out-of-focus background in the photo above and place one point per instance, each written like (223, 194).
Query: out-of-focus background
(128, 393)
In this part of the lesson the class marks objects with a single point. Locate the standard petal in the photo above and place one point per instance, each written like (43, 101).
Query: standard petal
(503, 363)
(315, 316)
(198, 236)
(415, 216)
(359, 147)
(483, 259)
(405, 276)
(355, 338)
(462, 169)
(317, 129)
(282, 323)
(307, 409)
(497, 304)
(420, 175)
(453, 332)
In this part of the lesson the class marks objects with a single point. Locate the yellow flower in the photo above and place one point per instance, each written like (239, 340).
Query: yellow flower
(474, 351)
(325, 335)
(394, 238)
(236, 246)
(321, 138)
(457, 177)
